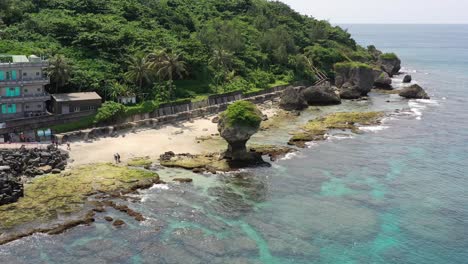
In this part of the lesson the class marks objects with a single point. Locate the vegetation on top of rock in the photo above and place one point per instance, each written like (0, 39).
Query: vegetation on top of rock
(242, 113)
(351, 65)
(389, 56)
(50, 196)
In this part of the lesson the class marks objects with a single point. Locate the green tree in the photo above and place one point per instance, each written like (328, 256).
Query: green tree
(59, 71)
(170, 64)
(139, 71)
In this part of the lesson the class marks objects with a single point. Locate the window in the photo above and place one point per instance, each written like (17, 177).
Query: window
(38, 73)
(2, 75)
(77, 109)
(13, 91)
(26, 106)
(9, 109)
(38, 89)
(39, 106)
(92, 107)
(11, 75)
(25, 90)
(25, 74)
(12, 108)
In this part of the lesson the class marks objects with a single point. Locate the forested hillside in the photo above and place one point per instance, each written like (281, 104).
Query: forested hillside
(167, 49)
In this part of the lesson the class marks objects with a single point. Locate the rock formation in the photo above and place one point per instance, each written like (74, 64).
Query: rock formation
(26, 162)
(407, 78)
(390, 63)
(349, 91)
(414, 92)
(236, 125)
(292, 99)
(382, 80)
(10, 188)
(353, 77)
(321, 95)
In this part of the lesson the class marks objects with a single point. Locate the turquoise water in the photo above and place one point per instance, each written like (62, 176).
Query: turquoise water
(395, 194)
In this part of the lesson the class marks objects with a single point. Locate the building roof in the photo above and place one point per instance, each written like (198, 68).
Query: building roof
(69, 97)
(5, 58)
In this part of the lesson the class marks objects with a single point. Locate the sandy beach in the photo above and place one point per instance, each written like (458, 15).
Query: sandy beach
(179, 138)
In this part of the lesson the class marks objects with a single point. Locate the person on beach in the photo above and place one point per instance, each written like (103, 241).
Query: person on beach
(117, 158)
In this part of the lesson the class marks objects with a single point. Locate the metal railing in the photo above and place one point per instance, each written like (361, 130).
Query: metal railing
(20, 81)
(25, 98)
(24, 64)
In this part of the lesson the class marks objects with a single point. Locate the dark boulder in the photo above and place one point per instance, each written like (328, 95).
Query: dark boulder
(390, 63)
(407, 78)
(382, 80)
(293, 99)
(350, 91)
(321, 95)
(10, 189)
(414, 92)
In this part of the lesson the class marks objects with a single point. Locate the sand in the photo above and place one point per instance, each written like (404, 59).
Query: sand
(179, 138)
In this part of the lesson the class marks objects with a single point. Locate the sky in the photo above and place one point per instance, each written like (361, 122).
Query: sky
(383, 12)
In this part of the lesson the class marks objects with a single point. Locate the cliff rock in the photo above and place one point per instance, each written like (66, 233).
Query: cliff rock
(357, 75)
(390, 63)
(382, 80)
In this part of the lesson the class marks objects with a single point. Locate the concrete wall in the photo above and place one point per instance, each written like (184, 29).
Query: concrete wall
(43, 121)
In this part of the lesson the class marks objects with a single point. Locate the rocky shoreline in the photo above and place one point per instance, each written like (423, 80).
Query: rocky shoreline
(22, 164)
(60, 193)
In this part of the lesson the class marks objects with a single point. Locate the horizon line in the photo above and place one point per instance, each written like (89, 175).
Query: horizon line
(391, 23)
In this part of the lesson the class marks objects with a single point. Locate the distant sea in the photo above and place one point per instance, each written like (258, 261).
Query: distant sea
(396, 194)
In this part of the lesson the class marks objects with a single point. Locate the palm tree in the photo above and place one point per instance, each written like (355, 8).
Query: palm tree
(59, 71)
(139, 70)
(168, 64)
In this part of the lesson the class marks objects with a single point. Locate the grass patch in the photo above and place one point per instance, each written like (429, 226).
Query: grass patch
(140, 162)
(50, 196)
(351, 65)
(389, 56)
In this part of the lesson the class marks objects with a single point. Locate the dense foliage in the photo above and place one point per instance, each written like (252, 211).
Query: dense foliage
(109, 112)
(162, 50)
(243, 113)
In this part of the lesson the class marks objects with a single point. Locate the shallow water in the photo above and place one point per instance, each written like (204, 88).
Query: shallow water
(395, 194)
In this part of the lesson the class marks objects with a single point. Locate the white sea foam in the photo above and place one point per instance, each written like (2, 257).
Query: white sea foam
(373, 128)
(340, 137)
(160, 186)
(416, 108)
(311, 144)
(290, 156)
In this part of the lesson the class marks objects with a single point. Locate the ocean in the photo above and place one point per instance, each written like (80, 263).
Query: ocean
(398, 193)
